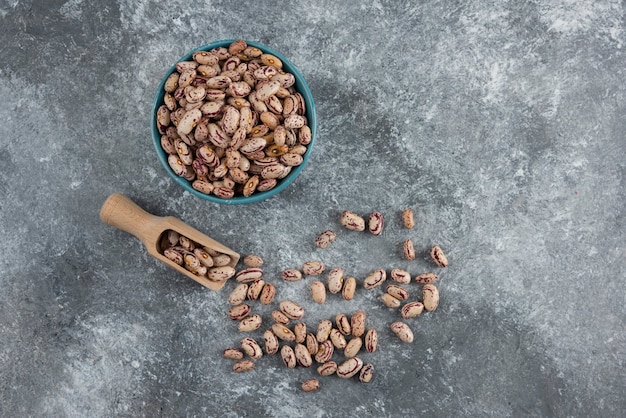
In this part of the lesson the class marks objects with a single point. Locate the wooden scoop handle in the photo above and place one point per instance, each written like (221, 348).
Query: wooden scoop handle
(122, 213)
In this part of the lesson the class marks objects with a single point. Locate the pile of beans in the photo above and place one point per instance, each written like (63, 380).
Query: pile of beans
(334, 344)
(232, 121)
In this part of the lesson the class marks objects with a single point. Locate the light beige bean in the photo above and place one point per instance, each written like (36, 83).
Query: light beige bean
(291, 159)
(390, 301)
(283, 333)
(288, 356)
(203, 257)
(221, 273)
(294, 122)
(327, 369)
(171, 83)
(271, 342)
(337, 338)
(438, 256)
(238, 295)
(335, 280)
(325, 238)
(400, 276)
(305, 135)
(318, 292)
(251, 323)
(407, 218)
(266, 90)
(273, 171)
(343, 324)
(376, 223)
(251, 186)
(266, 184)
(323, 330)
(430, 296)
(267, 294)
(163, 118)
(349, 287)
(271, 60)
(402, 331)
(189, 121)
(255, 288)
(222, 260)
(408, 250)
(173, 255)
(349, 368)
(367, 373)
(357, 323)
(426, 278)
(239, 312)
(325, 352)
(243, 366)
(204, 58)
(398, 292)
(352, 221)
(230, 119)
(411, 310)
(291, 275)
(291, 309)
(313, 268)
(371, 340)
(233, 354)
(311, 343)
(353, 347)
(248, 275)
(375, 279)
(299, 330)
(280, 318)
(303, 357)
(252, 260)
(252, 145)
(310, 385)
(217, 136)
(239, 89)
(285, 79)
(251, 348)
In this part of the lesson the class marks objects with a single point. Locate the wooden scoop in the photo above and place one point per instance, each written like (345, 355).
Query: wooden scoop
(121, 212)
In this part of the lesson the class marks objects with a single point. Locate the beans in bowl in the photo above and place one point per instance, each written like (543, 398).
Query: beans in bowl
(232, 122)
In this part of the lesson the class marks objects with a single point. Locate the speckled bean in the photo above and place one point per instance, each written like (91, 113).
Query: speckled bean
(318, 292)
(430, 296)
(288, 356)
(349, 287)
(402, 331)
(325, 238)
(375, 279)
(352, 221)
(438, 256)
(349, 368)
(251, 323)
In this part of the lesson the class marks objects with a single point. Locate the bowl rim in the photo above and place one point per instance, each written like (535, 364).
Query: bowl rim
(301, 86)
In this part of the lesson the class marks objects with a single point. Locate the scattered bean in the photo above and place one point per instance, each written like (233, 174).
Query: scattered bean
(310, 385)
(326, 238)
(349, 288)
(318, 292)
(430, 296)
(352, 221)
(408, 250)
(436, 253)
(407, 219)
(402, 331)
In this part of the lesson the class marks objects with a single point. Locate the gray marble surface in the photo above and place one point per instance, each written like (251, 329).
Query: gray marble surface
(500, 123)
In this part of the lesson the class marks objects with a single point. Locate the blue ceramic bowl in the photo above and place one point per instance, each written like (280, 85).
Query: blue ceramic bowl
(300, 85)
